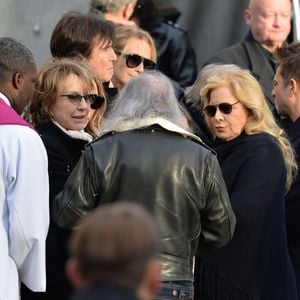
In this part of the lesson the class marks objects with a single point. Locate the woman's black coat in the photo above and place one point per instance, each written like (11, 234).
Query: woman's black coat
(255, 264)
(63, 153)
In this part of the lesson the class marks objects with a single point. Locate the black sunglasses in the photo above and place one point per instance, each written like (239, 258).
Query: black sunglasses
(133, 60)
(94, 100)
(225, 108)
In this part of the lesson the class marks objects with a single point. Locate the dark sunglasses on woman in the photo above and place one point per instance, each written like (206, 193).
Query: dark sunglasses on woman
(94, 100)
(225, 108)
(133, 60)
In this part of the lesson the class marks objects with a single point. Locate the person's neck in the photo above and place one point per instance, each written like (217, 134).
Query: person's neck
(271, 47)
(295, 113)
(117, 17)
(116, 83)
(6, 92)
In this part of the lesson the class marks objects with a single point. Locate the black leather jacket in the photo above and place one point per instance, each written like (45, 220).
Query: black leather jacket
(176, 56)
(176, 178)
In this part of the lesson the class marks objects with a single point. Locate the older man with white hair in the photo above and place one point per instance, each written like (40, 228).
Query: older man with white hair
(269, 22)
(117, 11)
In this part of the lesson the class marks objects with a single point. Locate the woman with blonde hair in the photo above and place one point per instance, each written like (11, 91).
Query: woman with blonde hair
(67, 109)
(258, 166)
(135, 51)
(193, 102)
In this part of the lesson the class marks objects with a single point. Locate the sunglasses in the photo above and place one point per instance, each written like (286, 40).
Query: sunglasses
(134, 60)
(225, 108)
(93, 100)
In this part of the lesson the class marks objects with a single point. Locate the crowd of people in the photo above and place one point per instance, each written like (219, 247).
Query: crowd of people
(124, 175)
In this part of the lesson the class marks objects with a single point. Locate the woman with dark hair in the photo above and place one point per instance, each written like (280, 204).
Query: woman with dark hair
(88, 39)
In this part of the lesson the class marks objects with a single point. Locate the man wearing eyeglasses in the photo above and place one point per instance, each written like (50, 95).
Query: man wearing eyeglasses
(269, 22)
(286, 92)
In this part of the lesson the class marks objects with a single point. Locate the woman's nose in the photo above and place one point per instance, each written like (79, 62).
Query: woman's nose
(113, 55)
(140, 67)
(83, 104)
(219, 114)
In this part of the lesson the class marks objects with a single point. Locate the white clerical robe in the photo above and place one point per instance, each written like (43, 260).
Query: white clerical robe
(24, 210)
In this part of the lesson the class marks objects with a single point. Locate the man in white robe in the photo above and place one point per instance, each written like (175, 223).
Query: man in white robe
(24, 190)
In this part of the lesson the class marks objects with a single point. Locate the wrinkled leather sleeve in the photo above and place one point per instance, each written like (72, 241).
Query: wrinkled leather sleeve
(79, 195)
(217, 217)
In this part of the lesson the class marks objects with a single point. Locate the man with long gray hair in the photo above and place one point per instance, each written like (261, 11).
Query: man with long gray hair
(147, 152)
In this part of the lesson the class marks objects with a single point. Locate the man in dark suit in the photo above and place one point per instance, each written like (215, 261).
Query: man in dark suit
(286, 92)
(269, 24)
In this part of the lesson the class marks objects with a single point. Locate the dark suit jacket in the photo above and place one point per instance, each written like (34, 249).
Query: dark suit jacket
(292, 201)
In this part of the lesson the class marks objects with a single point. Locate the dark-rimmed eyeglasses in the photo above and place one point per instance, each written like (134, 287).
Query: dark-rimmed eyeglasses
(225, 108)
(134, 60)
(93, 100)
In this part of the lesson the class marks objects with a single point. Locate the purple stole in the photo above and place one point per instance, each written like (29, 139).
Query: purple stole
(9, 117)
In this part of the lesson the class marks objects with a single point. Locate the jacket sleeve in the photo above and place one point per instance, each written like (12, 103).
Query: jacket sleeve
(217, 217)
(79, 195)
(183, 66)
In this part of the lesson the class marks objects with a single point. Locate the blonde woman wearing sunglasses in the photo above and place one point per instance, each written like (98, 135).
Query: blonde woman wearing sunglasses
(135, 51)
(258, 166)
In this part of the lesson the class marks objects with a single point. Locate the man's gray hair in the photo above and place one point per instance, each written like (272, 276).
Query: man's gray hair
(193, 92)
(110, 5)
(147, 96)
(14, 58)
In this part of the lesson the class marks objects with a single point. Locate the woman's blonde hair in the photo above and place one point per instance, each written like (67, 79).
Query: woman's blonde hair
(123, 33)
(49, 83)
(248, 91)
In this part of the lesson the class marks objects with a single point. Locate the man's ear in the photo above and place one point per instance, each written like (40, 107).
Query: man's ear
(293, 87)
(248, 16)
(73, 273)
(128, 10)
(17, 80)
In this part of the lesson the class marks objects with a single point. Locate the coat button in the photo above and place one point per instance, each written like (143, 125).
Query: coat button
(174, 293)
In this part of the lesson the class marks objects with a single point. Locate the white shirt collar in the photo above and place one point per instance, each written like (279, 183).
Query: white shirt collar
(5, 99)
